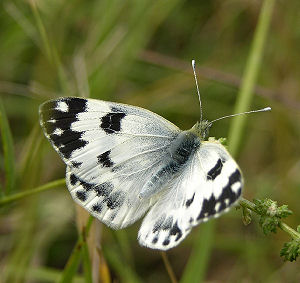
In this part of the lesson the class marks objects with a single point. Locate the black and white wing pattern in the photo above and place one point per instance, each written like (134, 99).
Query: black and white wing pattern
(210, 183)
(111, 150)
(123, 161)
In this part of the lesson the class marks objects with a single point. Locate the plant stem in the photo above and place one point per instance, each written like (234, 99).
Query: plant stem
(70, 270)
(283, 226)
(293, 233)
(168, 267)
(15, 197)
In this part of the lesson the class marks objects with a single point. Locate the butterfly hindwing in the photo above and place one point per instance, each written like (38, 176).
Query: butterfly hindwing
(111, 150)
(208, 186)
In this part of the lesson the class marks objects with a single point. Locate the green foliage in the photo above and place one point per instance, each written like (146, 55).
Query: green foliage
(270, 219)
(291, 250)
(270, 214)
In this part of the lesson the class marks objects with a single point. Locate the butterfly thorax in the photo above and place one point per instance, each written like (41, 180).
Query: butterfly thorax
(201, 129)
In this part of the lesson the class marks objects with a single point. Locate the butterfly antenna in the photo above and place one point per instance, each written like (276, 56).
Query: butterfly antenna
(248, 112)
(193, 66)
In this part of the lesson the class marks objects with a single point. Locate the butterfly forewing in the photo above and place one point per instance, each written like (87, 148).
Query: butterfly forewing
(111, 150)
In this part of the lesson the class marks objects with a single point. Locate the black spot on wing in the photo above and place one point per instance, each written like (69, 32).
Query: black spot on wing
(73, 179)
(215, 171)
(111, 122)
(105, 160)
(227, 197)
(76, 105)
(175, 231)
(158, 223)
(53, 119)
(208, 208)
(87, 186)
(97, 207)
(104, 189)
(114, 200)
(167, 223)
(68, 142)
(76, 164)
(82, 195)
(189, 201)
(235, 177)
(227, 192)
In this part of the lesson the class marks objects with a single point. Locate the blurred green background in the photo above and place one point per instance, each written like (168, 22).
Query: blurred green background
(139, 52)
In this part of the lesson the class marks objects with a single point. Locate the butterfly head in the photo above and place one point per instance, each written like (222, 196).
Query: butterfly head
(201, 129)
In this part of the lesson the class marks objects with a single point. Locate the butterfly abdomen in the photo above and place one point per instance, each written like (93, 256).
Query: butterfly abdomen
(180, 151)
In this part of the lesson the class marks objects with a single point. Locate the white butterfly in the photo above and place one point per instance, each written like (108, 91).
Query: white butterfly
(123, 161)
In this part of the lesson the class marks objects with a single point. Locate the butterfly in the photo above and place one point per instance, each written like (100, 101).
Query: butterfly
(124, 162)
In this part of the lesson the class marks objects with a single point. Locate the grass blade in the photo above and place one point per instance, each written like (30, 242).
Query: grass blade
(197, 265)
(71, 268)
(8, 150)
(19, 196)
(246, 93)
(120, 266)
(87, 269)
(48, 46)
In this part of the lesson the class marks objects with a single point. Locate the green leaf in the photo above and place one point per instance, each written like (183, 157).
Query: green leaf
(8, 150)
(247, 218)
